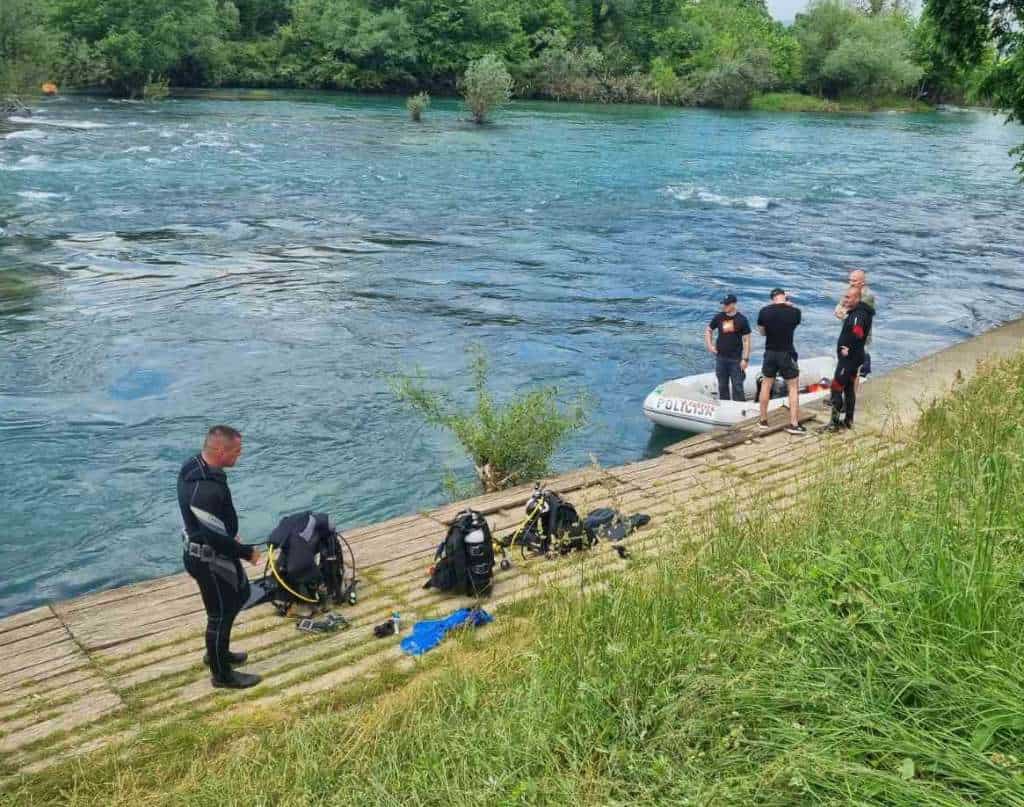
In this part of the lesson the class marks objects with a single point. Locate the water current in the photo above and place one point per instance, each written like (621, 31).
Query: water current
(270, 260)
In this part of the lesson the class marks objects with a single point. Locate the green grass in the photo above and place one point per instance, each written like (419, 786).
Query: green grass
(798, 102)
(866, 648)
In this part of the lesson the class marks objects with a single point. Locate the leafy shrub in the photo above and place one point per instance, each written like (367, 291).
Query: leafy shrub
(417, 104)
(664, 80)
(732, 84)
(509, 443)
(156, 89)
(486, 87)
(873, 59)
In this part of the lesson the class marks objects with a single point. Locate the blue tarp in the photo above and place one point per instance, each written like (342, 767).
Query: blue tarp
(428, 634)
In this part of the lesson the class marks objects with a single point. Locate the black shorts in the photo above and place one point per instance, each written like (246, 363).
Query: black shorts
(779, 362)
(865, 368)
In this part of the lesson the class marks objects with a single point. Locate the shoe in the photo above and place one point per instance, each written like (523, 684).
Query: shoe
(763, 424)
(848, 424)
(237, 680)
(831, 427)
(797, 429)
(234, 659)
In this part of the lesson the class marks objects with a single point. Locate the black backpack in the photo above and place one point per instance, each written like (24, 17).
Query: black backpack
(309, 560)
(552, 525)
(464, 561)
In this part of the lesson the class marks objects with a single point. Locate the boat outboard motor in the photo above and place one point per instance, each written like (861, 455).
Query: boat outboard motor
(306, 564)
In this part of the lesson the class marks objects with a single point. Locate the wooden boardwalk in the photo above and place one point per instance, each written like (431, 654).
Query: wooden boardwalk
(81, 674)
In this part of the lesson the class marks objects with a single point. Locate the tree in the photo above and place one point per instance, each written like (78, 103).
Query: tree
(873, 59)
(967, 30)
(344, 44)
(820, 30)
(416, 104)
(143, 40)
(664, 79)
(732, 84)
(486, 87)
(508, 443)
(27, 46)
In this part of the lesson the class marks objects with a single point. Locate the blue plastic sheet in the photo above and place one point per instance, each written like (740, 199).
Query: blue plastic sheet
(428, 634)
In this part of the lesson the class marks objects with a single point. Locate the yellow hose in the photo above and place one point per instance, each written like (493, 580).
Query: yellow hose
(289, 589)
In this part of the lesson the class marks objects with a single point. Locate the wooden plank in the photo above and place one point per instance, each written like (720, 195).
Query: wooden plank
(25, 619)
(86, 711)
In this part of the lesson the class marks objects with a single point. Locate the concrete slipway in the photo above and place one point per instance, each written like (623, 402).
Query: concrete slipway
(81, 674)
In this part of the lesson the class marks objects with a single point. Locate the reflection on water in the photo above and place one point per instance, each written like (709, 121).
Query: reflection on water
(267, 260)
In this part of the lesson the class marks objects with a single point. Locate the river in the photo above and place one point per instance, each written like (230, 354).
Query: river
(269, 260)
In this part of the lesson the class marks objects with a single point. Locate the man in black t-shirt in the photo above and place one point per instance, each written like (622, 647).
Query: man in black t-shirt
(731, 349)
(777, 322)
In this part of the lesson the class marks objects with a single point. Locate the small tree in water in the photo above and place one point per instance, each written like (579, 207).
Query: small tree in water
(417, 104)
(509, 443)
(487, 86)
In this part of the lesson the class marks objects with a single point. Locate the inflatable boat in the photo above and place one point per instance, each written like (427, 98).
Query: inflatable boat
(691, 404)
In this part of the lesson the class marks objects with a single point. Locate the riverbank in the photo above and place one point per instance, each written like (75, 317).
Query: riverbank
(779, 590)
(799, 102)
(787, 102)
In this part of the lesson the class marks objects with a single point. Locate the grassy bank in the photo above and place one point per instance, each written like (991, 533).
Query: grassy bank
(864, 646)
(798, 102)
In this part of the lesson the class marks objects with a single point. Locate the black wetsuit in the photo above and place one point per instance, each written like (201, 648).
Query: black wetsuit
(854, 335)
(222, 582)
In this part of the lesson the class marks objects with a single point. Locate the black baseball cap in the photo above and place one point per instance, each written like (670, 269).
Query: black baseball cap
(729, 299)
(776, 293)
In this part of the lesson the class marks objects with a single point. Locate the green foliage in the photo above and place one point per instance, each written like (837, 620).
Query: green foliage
(820, 31)
(143, 39)
(985, 36)
(792, 102)
(346, 44)
(664, 80)
(508, 443)
(850, 53)
(733, 83)
(417, 104)
(28, 46)
(676, 51)
(872, 59)
(156, 89)
(486, 87)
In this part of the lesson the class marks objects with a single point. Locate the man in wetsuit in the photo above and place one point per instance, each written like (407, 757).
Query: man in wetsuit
(731, 349)
(858, 278)
(212, 550)
(850, 354)
(777, 322)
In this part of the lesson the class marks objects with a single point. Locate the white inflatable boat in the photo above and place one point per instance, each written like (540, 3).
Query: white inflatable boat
(691, 403)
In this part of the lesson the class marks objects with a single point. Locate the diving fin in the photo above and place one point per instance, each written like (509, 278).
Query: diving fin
(625, 526)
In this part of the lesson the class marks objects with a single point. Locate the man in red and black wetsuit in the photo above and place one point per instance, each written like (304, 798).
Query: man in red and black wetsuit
(850, 354)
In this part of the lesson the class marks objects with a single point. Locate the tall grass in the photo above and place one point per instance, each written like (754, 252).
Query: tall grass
(863, 648)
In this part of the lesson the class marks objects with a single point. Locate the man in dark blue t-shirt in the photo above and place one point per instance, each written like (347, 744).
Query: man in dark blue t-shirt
(731, 349)
(777, 322)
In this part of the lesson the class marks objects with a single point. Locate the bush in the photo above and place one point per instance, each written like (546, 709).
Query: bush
(487, 86)
(156, 89)
(509, 444)
(732, 84)
(664, 80)
(873, 59)
(27, 46)
(417, 104)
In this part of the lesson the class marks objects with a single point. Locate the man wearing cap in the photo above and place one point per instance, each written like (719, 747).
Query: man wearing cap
(777, 322)
(731, 349)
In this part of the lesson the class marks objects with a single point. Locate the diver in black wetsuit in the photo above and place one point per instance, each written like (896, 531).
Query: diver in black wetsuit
(850, 353)
(212, 550)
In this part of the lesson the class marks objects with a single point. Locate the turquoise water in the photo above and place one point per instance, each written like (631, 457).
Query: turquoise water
(268, 261)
